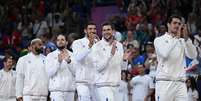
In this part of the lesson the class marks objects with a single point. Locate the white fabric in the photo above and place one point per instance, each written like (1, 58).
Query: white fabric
(31, 78)
(170, 91)
(141, 86)
(192, 95)
(7, 84)
(84, 71)
(34, 98)
(61, 75)
(83, 92)
(107, 93)
(122, 91)
(11, 99)
(108, 67)
(40, 28)
(171, 54)
(62, 96)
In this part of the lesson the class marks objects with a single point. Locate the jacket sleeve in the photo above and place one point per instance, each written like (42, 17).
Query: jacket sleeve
(79, 55)
(51, 66)
(164, 47)
(190, 49)
(99, 62)
(20, 78)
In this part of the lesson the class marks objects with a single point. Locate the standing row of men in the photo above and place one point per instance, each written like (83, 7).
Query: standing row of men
(93, 69)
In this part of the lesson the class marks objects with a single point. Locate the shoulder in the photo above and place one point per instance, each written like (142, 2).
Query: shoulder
(79, 40)
(52, 53)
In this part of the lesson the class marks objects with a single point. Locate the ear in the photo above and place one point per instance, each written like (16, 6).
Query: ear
(85, 31)
(168, 25)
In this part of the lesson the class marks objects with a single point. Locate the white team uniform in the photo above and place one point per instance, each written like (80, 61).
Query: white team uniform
(84, 70)
(61, 77)
(141, 85)
(108, 69)
(32, 79)
(122, 91)
(7, 85)
(170, 75)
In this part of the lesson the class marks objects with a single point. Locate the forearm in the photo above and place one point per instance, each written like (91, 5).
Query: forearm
(190, 49)
(19, 85)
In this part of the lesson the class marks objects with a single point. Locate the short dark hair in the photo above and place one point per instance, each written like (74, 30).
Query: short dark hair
(173, 16)
(7, 57)
(108, 23)
(89, 23)
(66, 37)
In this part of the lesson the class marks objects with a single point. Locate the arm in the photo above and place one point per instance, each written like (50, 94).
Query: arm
(51, 66)
(151, 89)
(190, 49)
(163, 47)
(101, 64)
(20, 78)
(79, 55)
(72, 66)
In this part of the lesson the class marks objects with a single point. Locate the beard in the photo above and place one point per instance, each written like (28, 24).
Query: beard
(39, 50)
(60, 47)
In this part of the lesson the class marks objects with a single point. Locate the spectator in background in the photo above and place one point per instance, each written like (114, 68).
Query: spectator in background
(192, 89)
(7, 80)
(130, 39)
(32, 79)
(191, 23)
(142, 84)
(40, 27)
(122, 92)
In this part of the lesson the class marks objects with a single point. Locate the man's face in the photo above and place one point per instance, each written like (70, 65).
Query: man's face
(61, 42)
(8, 64)
(90, 30)
(141, 69)
(174, 25)
(107, 32)
(38, 47)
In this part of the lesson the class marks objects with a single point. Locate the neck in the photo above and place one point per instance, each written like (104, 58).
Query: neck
(171, 34)
(35, 53)
(110, 40)
(7, 69)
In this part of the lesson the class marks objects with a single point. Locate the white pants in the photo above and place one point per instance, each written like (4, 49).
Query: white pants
(11, 99)
(34, 98)
(62, 96)
(171, 91)
(83, 92)
(107, 93)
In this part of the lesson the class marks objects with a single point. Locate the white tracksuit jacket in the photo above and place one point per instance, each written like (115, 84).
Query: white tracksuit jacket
(32, 79)
(171, 54)
(61, 75)
(7, 84)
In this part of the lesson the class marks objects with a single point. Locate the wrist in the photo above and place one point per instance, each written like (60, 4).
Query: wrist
(68, 60)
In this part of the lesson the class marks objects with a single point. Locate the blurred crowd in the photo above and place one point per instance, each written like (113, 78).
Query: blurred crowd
(23, 20)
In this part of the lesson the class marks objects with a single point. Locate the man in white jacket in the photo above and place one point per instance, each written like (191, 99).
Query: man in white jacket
(84, 72)
(171, 49)
(32, 79)
(107, 59)
(60, 67)
(7, 80)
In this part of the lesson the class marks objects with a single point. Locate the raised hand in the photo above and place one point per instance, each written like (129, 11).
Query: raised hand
(114, 47)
